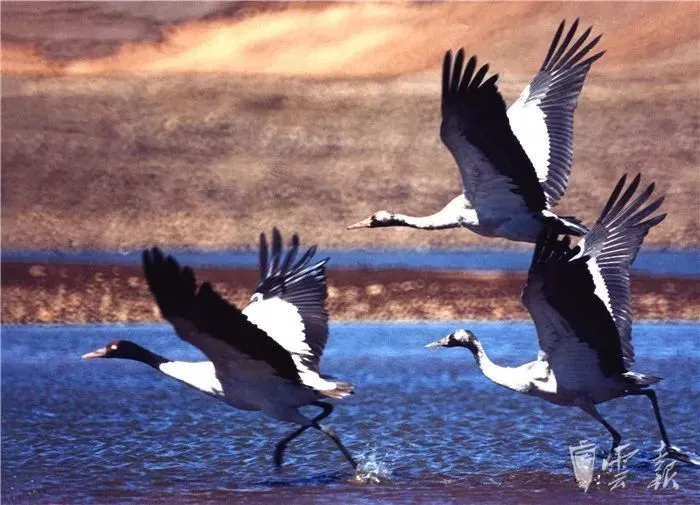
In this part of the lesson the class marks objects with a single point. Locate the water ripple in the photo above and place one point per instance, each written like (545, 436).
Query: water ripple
(424, 425)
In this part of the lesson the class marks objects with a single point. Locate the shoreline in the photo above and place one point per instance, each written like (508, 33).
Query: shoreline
(68, 293)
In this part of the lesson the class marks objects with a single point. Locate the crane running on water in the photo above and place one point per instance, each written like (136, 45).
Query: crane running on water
(515, 164)
(263, 358)
(579, 300)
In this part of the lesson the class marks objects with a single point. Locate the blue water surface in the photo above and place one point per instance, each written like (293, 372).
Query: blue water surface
(649, 261)
(425, 423)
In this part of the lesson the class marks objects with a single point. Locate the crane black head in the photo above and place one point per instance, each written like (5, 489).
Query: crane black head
(126, 349)
(376, 220)
(459, 338)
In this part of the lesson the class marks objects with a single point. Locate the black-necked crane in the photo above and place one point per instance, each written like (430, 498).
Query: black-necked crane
(579, 300)
(515, 164)
(262, 358)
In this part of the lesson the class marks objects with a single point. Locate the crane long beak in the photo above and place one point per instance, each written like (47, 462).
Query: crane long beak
(437, 343)
(99, 353)
(365, 223)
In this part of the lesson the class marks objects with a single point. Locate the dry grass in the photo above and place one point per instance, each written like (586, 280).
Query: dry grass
(209, 161)
(120, 160)
(85, 294)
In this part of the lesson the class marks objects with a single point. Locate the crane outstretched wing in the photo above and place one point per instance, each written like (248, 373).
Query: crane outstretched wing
(203, 318)
(579, 298)
(611, 247)
(497, 175)
(289, 300)
(542, 118)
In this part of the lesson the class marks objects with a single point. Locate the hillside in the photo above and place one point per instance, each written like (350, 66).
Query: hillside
(199, 124)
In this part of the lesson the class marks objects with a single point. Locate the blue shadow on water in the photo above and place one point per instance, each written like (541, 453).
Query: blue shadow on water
(649, 261)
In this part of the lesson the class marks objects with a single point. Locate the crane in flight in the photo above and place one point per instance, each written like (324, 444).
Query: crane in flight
(515, 164)
(262, 358)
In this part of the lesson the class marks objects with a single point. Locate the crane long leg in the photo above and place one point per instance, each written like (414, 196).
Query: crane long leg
(671, 452)
(593, 412)
(330, 432)
(282, 444)
(651, 394)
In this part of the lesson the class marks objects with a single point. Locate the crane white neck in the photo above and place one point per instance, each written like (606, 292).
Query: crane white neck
(507, 377)
(455, 214)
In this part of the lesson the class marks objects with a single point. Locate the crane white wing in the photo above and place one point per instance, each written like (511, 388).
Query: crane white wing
(610, 248)
(289, 301)
(542, 118)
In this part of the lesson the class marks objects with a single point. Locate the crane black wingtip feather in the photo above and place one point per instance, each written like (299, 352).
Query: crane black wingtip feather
(650, 223)
(585, 35)
(590, 61)
(206, 289)
(479, 77)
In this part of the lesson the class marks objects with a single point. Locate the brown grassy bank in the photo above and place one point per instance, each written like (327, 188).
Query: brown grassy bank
(101, 293)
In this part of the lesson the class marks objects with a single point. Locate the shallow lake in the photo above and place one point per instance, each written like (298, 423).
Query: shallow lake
(424, 422)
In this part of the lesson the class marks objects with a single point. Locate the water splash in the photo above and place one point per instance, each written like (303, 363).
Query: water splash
(683, 456)
(371, 469)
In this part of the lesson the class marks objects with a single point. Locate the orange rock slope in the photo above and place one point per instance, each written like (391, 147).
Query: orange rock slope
(336, 40)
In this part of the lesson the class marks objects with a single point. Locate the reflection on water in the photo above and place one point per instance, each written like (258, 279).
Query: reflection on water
(423, 423)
